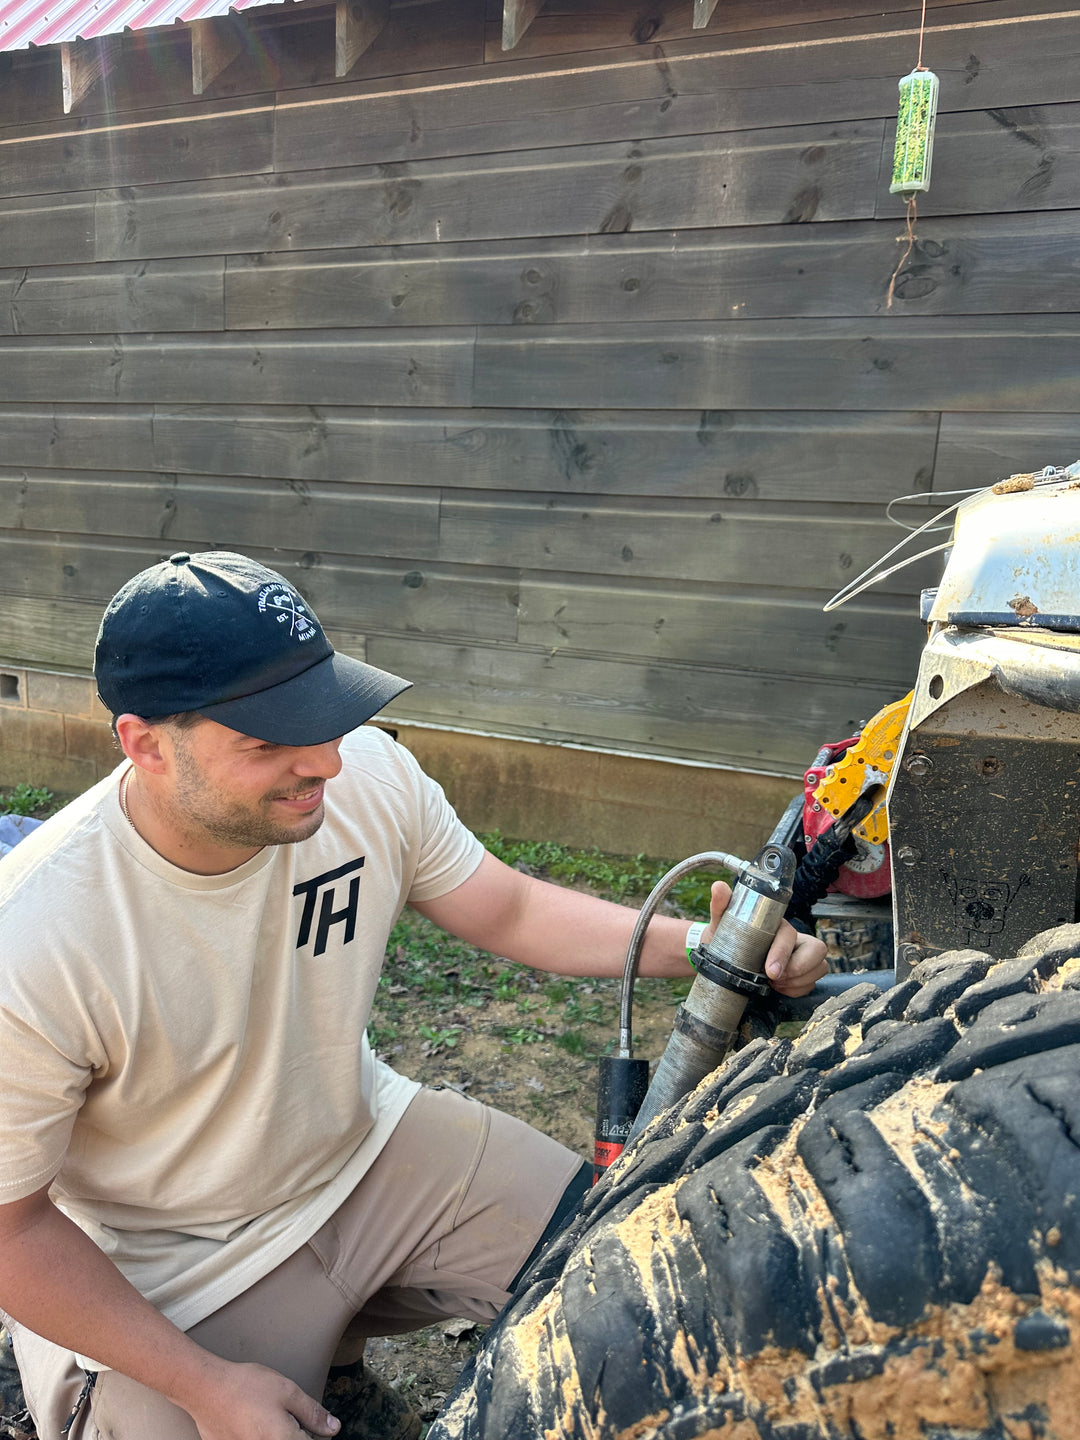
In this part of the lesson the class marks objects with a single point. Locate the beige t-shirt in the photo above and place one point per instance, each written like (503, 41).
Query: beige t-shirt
(184, 1055)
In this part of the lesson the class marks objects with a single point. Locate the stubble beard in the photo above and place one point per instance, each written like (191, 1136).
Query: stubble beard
(200, 811)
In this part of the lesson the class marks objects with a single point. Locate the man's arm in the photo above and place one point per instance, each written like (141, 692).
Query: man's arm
(56, 1282)
(552, 928)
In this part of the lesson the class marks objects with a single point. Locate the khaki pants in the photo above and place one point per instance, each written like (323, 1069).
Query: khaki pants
(439, 1227)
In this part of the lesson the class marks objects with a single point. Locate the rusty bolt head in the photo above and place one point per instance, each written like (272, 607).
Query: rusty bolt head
(990, 765)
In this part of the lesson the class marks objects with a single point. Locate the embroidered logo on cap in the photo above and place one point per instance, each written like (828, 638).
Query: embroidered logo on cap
(290, 610)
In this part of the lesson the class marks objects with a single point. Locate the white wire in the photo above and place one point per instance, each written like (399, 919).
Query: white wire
(1051, 475)
(855, 587)
(836, 602)
(925, 495)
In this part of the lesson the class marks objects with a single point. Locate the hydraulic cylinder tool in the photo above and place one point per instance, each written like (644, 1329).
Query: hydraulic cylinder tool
(730, 970)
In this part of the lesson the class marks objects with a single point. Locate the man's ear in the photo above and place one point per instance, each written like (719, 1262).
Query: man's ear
(141, 743)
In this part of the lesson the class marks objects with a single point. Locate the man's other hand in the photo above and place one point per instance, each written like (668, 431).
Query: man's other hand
(250, 1402)
(795, 962)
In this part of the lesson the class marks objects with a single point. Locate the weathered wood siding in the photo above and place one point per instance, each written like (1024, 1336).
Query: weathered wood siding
(563, 382)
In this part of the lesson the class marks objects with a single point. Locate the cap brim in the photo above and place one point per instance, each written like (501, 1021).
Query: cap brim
(323, 702)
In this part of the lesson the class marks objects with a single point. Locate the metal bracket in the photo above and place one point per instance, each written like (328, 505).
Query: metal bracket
(728, 974)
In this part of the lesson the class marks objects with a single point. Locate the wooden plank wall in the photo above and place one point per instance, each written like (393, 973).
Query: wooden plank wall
(563, 383)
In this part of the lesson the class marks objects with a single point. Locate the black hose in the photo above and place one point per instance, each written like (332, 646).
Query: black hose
(820, 866)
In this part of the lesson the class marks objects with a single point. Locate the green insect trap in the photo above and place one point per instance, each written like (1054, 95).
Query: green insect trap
(914, 133)
(914, 151)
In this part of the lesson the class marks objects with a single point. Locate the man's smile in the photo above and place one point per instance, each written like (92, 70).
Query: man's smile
(303, 800)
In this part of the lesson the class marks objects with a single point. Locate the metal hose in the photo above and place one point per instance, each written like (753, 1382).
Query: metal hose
(708, 860)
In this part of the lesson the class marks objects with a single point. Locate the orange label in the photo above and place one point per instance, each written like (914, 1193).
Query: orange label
(605, 1154)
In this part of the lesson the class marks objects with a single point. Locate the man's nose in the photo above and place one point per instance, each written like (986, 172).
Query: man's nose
(322, 760)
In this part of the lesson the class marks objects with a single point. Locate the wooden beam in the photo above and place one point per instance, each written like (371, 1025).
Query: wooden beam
(703, 10)
(358, 23)
(84, 64)
(215, 44)
(518, 15)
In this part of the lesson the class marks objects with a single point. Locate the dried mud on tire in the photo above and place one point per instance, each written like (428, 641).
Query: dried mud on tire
(873, 1232)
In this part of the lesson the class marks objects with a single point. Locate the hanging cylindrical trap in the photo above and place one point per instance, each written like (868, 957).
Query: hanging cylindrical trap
(914, 133)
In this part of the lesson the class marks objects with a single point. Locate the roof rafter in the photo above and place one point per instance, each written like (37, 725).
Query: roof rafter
(215, 44)
(84, 64)
(357, 24)
(518, 15)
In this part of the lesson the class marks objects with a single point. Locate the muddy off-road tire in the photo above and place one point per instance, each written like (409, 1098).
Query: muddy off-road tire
(871, 1232)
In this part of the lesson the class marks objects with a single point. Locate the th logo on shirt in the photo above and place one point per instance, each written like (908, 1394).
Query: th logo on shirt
(328, 916)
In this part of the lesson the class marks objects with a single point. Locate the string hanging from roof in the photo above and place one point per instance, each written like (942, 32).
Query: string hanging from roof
(914, 151)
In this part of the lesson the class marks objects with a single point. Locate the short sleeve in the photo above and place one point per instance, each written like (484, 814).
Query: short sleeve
(41, 1091)
(449, 851)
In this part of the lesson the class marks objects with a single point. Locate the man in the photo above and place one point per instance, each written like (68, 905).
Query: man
(206, 1179)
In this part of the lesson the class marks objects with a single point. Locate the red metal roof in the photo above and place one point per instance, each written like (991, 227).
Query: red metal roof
(48, 22)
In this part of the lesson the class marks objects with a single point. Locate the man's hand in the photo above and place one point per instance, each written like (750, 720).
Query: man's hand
(795, 962)
(250, 1402)
(56, 1281)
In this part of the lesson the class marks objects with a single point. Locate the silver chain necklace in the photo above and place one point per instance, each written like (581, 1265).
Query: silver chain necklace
(123, 799)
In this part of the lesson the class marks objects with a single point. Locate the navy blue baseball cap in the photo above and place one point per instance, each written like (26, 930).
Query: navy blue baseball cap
(222, 635)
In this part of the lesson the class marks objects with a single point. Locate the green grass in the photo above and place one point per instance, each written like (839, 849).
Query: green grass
(574, 1042)
(514, 1035)
(439, 1037)
(23, 799)
(626, 878)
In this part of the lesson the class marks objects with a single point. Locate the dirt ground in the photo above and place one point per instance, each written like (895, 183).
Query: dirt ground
(507, 1053)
